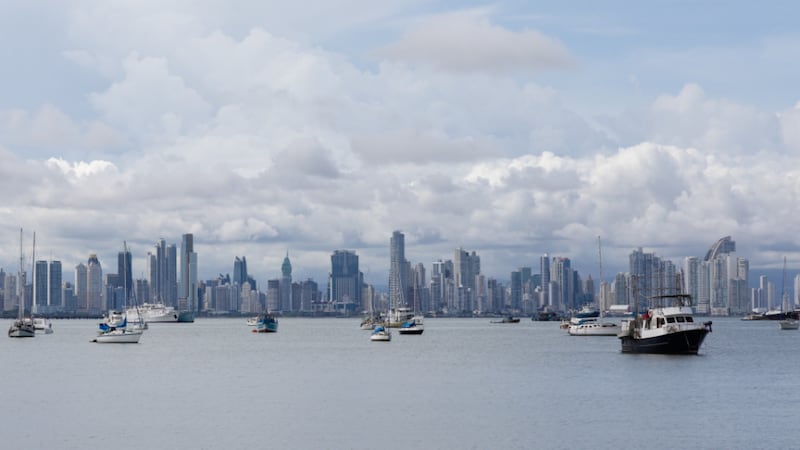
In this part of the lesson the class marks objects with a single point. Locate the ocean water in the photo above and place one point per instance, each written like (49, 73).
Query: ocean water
(464, 383)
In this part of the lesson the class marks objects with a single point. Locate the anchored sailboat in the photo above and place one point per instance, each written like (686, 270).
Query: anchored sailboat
(22, 326)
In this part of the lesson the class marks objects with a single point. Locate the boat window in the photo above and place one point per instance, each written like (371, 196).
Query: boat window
(681, 319)
(689, 319)
(670, 319)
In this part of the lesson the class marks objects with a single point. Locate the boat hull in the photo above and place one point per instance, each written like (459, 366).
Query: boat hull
(380, 338)
(594, 329)
(21, 332)
(411, 330)
(268, 328)
(684, 342)
(118, 337)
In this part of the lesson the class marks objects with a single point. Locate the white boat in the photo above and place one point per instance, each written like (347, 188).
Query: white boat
(153, 313)
(22, 326)
(119, 336)
(251, 322)
(42, 325)
(594, 328)
(789, 324)
(413, 326)
(590, 322)
(381, 334)
(370, 322)
(114, 329)
(668, 328)
(398, 316)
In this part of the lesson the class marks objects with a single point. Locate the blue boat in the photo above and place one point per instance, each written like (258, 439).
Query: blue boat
(266, 323)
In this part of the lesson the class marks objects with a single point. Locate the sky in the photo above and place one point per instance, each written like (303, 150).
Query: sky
(509, 128)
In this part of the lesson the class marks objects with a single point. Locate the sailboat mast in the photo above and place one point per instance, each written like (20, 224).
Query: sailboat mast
(20, 281)
(600, 277)
(33, 274)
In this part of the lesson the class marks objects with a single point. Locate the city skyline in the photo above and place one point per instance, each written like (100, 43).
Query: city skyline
(509, 129)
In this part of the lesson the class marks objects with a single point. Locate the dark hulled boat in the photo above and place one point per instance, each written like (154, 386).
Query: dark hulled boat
(665, 329)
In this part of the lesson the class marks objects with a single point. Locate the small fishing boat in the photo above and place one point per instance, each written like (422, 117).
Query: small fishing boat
(266, 323)
(413, 326)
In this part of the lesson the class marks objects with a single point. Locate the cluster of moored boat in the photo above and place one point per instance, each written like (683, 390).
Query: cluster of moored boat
(403, 319)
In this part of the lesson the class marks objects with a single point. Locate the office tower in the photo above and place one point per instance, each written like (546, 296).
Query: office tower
(421, 296)
(286, 284)
(164, 274)
(188, 278)
(81, 287)
(562, 288)
(40, 287)
(55, 299)
(516, 290)
(544, 276)
(68, 294)
(10, 294)
(346, 281)
(124, 270)
(273, 295)
(309, 295)
(397, 275)
(239, 270)
(466, 267)
(94, 285)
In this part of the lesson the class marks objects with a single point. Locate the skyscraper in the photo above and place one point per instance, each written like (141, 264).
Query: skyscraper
(40, 287)
(286, 284)
(397, 268)
(94, 285)
(55, 300)
(188, 278)
(81, 287)
(125, 271)
(346, 280)
(164, 274)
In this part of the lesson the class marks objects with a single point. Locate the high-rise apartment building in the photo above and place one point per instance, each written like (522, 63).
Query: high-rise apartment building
(40, 287)
(164, 274)
(55, 298)
(397, 270)
(286, 284)
(82, 287)
(94, 285)
(467, 267)
(188, 279)
(346, 280)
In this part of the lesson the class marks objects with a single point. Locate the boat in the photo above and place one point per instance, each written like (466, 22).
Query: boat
(22, 326)
(114, 327)
(413, 326)
(789, 324)
(381, 334)
(668, 327)
(153, 313)
(251, 321)
(594, 328)
(591, 320)
(42, 325)
(266, 323)
(398, 316)
(545, 315)
(508, 319)
(370, 322)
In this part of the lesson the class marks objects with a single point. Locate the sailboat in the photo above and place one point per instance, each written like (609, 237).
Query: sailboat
(114, 330)
(382, 333)
(22, 326)
(590, 327)
(789, 322)
(415, 324)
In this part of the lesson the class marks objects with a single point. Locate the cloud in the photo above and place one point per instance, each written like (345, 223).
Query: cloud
(469, 42)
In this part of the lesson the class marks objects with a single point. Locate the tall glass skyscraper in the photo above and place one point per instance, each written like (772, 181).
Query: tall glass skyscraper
(397, 268)
(188, 278)
(346, 280)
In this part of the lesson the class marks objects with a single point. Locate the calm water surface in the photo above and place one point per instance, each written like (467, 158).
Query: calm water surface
(464, 383)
